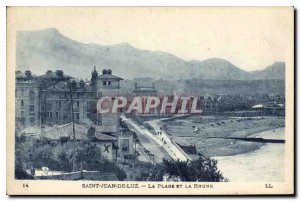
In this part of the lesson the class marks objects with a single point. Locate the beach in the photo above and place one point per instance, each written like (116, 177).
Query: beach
(238, 160)
(212, 131)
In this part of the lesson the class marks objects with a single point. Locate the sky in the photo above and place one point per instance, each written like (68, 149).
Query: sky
(250, 38)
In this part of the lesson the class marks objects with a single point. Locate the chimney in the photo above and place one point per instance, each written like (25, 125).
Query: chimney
(59, 73)
(81, 84)
(28, 73)
(104, 71)
(109, 71)
(73, 84)
(49, 72)
(94, 75)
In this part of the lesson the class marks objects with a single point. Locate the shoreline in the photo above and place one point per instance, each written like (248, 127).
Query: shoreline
(211, 140)
(254, 148)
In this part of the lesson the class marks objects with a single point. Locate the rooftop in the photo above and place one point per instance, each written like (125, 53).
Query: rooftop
(63, 86)
(109, 76)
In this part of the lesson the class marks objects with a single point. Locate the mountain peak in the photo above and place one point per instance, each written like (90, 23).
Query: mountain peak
(216, 60)
(279, 64)
(274, 71)
(43, 31)
(123, 45)
(50, 30)
(276, 65)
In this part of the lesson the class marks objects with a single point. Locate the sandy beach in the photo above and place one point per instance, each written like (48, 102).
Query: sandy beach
(209, 133)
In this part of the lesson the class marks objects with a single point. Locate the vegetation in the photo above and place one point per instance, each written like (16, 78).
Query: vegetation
(204, 169)
(56, 155)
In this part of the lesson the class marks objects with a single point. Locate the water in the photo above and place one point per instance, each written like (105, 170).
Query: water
(263, 165)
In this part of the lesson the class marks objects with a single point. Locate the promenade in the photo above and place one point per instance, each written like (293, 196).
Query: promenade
(159, 137)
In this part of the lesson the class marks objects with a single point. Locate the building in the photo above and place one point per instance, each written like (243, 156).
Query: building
(125, 142)
(144, 90)
(108, 85)
(27, 98)
(48, 100)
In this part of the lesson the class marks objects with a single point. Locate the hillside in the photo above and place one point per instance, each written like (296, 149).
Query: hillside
(49, 50)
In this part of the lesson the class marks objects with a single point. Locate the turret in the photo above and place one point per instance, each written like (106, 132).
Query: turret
(94, 76)
(60, 73)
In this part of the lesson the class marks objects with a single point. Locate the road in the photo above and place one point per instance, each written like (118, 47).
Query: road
(149, 149)
(158, 143)
(169, 145)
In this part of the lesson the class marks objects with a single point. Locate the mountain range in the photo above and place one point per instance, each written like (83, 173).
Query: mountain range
(48, 49)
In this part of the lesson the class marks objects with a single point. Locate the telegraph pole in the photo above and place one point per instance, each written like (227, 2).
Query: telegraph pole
(134, 152)
(74, 145)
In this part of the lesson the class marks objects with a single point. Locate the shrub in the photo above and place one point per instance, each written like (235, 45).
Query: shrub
(203, 169)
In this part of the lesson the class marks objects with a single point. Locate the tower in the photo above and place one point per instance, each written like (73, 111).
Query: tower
(108, 85)
(94, 76)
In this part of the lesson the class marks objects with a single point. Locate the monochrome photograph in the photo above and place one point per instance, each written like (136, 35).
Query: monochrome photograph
(153, 100)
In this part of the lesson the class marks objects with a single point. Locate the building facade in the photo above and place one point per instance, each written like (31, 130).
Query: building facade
(47, 99)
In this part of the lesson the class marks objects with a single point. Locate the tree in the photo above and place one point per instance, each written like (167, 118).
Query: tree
(202, 169)
(36, 153)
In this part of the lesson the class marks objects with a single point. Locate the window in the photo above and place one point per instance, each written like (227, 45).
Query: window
(31, 94)
(88, 115)
(88, 105)
(49, 114)
(59, 104)
(104, 83)
(76, 115)
(125, 145)
(22, 103)
(22, 114)
(32, 119)
(108, 82)
(77, 104)
(22, 92)
(31, 108)
(42, 107)
(125, 149)
(49, 105)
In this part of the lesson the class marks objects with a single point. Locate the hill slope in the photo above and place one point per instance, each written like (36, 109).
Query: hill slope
(49, 50)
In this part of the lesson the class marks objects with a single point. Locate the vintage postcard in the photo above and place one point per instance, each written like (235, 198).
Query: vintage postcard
(150, 100)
